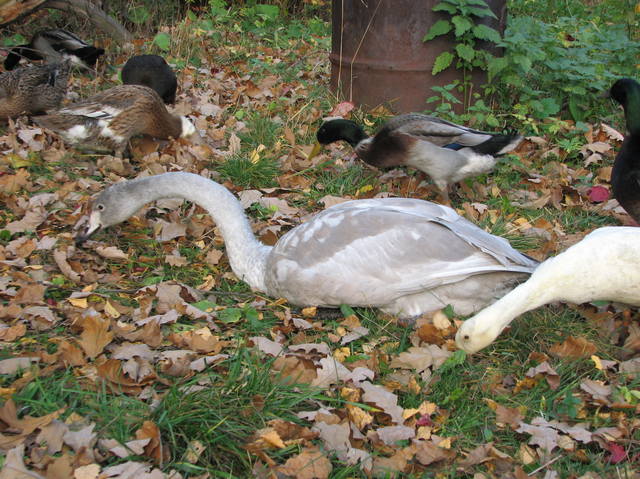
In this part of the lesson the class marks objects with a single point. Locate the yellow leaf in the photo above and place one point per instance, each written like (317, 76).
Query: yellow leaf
(341, 353)
(368, 122)
(272, 438)
(359, 416)
(637, 9)
(495, 191)
(254, 156)
(18, 162)
(111, 311)
(309, 312)
(364, 189)
(78, 302)
(6, 393)
(597, 362)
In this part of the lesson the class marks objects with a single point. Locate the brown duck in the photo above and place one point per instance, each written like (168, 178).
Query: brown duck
(108, 120)
(32, 90)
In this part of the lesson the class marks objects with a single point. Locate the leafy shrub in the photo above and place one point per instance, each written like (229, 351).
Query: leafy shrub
(560, 67)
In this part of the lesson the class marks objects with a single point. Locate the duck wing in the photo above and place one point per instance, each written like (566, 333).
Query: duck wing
(451, 135)
(373, 252)
(61, 40)
(109, 103)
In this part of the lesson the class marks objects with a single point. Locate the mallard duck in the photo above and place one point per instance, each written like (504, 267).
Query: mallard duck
(405, 256)
(443, 150)
(152, 71)
(110, 118)
(605, 265)
(32, 90)
(55, 46)
(625, 176)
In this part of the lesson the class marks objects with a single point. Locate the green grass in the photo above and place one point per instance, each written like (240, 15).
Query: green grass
(116, 416)
(241, 171)
(225, 413)
(339, 181)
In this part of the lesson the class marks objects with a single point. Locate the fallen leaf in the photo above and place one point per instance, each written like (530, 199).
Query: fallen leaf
(309, 464)
(573, 348)
(95, 336)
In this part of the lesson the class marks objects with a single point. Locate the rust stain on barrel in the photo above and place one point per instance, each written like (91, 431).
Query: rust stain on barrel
(378, 56)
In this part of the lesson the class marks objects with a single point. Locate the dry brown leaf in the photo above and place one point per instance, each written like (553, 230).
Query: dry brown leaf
(428, 453)
(543, 436)
(14, 467)
(61, 256)
(13, 365)
(599, 391)
(383, 399)
(392, 434)
(550, 374)
(309, 464)
(388, 467)
(111, 252)
(573, 348)
(155, 449)
(12, 333)
(95, 335)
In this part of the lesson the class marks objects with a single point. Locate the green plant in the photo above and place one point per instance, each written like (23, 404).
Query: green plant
(464, 14)
(560, 67)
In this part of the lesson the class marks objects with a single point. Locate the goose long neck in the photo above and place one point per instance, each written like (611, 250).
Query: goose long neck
(529, 295)
(247, 255)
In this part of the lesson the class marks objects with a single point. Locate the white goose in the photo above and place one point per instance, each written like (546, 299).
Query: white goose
(404, 256)
(605, 265)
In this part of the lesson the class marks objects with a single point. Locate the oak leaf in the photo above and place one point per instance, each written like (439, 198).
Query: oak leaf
(95, 335)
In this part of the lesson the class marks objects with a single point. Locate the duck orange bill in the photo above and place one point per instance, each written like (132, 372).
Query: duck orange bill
(314, 152)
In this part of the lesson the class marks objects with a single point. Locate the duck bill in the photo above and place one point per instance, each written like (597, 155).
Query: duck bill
(314, 152)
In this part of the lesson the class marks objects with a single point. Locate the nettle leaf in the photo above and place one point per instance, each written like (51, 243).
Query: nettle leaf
(163, 41)
(442, 62)
(481, 12)
(445, 7)
(465, 52)
(272, 12)
(522, 61)
(484, 32)
(495, 65)
(462, 25)
(439, 28)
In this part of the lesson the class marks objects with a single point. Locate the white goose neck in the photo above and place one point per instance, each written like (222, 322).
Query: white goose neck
(485, 326)
(247, 255)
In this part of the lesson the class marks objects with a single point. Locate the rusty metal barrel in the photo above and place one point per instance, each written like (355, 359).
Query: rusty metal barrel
(378, 56)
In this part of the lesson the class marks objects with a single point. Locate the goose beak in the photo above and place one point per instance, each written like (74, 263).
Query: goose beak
(314, 152)
(91, 227)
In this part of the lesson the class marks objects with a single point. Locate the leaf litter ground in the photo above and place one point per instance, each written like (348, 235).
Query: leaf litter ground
(142, 355)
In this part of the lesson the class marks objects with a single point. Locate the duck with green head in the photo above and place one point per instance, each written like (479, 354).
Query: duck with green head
(625, 177)
(445, 151)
